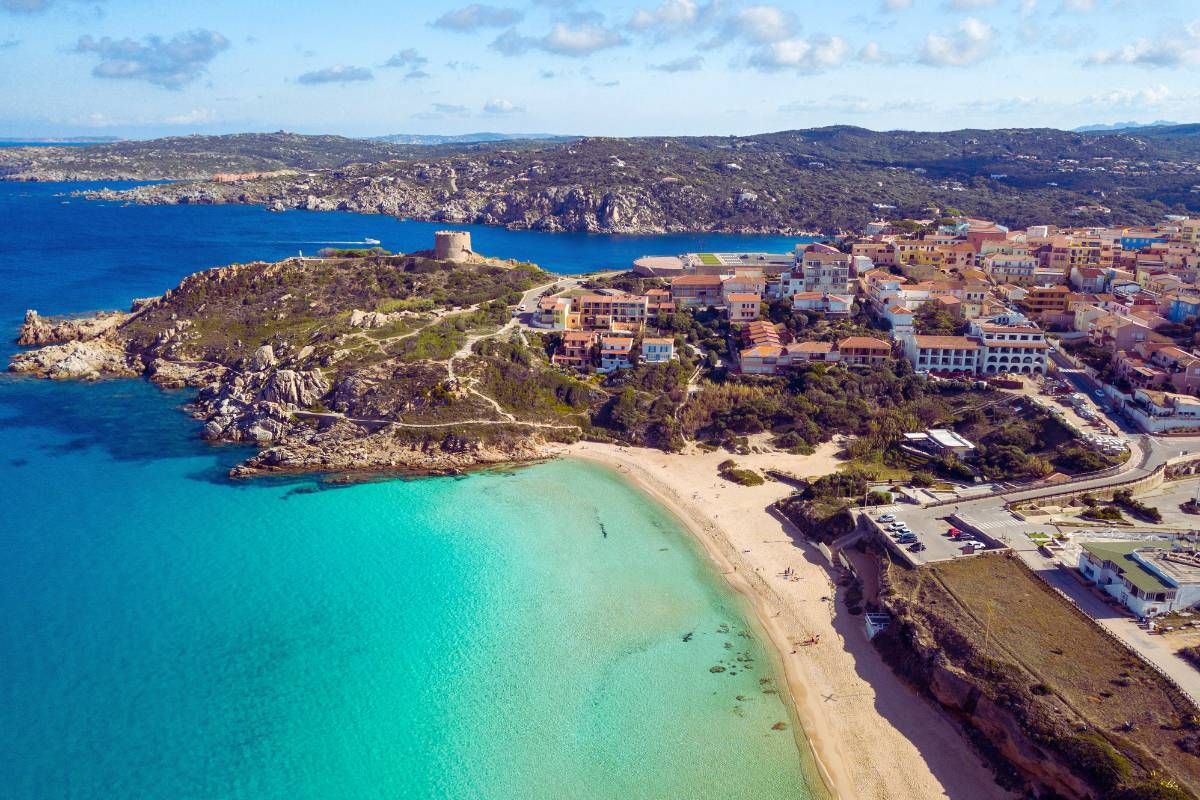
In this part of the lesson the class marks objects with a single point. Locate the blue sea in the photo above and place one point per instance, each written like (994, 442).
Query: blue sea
(545, 632)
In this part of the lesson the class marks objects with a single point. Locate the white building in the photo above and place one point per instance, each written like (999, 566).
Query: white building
(657, 351)
(1147, 576)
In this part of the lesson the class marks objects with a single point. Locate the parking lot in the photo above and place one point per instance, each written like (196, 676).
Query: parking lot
(930, 533)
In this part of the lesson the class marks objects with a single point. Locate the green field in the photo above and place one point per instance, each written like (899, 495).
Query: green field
(709, 260)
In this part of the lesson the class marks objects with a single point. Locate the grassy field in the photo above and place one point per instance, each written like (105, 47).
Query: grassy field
(709, 260)
(1026, 644)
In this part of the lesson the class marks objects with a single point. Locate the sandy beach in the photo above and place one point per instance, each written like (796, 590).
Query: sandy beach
(873, 737)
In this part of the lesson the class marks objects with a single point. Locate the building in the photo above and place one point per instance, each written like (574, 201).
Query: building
(576, 350)
(616, 352)
(942, 353)
(1047, 299)
(1010, 348)
(742, 307)
(863, 351)
(940, 440)
(601, 311)
(822, 303)
(554, 313)
(692, 291)
(1148, 577)
(825, 269)
(454, 246)
(657, 351)
(744, 281)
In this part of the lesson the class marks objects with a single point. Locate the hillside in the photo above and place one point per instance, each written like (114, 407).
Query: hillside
(825, 179)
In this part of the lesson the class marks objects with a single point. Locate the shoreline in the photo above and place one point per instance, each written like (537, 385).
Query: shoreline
(897, 746)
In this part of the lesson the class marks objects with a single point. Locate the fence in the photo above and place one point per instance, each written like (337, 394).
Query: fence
(1117, 640)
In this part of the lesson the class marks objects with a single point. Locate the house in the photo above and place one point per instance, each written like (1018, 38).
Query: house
(1148, 576)
(1137, 372)
(761, 332)
(691, 291)
(900, 318)
(1088, 279)
(657, 351)
(1183, 306)
(775, 359)
(658, 302)
(863, 351)
(553, 313)
(1168, 404)
(823, 303)
(744, 281)
(576, 350)
(616, 352)
(742, 307)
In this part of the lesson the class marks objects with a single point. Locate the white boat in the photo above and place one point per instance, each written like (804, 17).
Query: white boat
(369, 240)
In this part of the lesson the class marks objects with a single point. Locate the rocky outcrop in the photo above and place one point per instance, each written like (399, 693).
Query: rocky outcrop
(87, 360)
(371, 320)
(300, 389)
(38, 331)
(344, 446)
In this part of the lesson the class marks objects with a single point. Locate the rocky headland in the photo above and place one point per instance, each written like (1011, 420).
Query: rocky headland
(320, 364)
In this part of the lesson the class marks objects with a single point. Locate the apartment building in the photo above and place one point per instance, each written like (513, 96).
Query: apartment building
(577, 349)
(602, 311)
(697, 291)
(825, 269)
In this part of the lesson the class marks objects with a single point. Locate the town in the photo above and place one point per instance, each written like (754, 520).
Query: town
(953, 296)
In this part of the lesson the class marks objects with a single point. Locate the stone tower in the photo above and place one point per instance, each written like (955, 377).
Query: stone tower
(452, 246)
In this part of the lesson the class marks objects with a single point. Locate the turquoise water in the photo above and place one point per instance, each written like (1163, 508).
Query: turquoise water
(166, 633)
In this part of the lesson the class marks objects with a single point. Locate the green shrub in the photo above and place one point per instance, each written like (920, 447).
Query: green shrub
(1097, 760)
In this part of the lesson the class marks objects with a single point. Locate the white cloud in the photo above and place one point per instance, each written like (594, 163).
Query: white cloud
(170, 63)
(1079, 5)
(805, 55)
(1175, 49)
(408, 57)
(563, 39)
(339, 73)
(872, 53)
(896, 5)
(673, 18)
(197, 116)
(761, 24)
(1148, 97)
(475, 16)
(968, 43)
(499, 106)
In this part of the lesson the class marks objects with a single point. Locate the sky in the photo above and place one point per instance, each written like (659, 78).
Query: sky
(138, 68)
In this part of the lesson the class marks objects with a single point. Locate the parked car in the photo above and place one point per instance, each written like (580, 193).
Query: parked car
(916, 547)
(897, 525)
(887, 518)
(907, 538)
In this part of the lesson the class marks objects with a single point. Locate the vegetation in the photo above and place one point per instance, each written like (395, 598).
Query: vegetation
(1124, 498)
(730, 471)
(825, 178)
(1111, 719)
